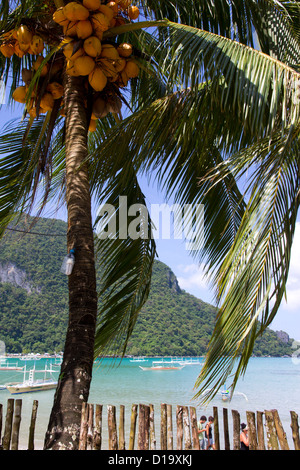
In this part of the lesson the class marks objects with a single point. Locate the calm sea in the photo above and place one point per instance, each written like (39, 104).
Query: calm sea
(269, 383)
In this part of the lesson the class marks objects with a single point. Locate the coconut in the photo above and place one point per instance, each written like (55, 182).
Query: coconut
(38, 63)
(24, 47)
(124, 4)
(84, 65)
(70, 29)
(114, 7)
(133, 12)
(37, 44)
(69, 51)
(70, 69)
(109, 52)
(59, 17)
(124, 49)
(97, 79)
(100, 22)
(19, 94)
(56, 90)
(47, 101)
(131, 69)
(120, 64)
(108, 12)
(18, 51)
(92, 46)
(91, 4)
(75, 11)
(24, 36)
(100, 109)
(7, 50)
(27, 75)
(114, 105)
(84, 29)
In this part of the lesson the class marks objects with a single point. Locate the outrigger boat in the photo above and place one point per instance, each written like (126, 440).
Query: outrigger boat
(4, 365)
(162, 365)
(33, 385)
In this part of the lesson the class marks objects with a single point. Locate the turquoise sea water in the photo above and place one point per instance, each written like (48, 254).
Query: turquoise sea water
(269, 383)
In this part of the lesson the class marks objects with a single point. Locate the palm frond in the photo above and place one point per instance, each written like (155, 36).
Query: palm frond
(252, 279)
(125, 264)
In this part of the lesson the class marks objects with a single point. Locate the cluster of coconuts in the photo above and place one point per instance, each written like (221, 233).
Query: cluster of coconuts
(83, 25)
(21, 41)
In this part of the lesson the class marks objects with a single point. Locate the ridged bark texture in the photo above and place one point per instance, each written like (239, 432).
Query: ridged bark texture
(76, 370)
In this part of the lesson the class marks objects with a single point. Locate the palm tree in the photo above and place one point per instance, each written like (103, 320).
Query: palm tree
(221, 115)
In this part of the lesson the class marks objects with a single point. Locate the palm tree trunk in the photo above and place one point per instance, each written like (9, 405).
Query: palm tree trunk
(76, 370)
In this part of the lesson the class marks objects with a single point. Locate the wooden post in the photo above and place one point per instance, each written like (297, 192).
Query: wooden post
(32, 425)
(112, 428)
(236, 429)
(251, 430)
(179, 424)
(195, 435)
(280, 431)
(90, 431)
(186, 429)
(16, 425)
(272, 441)
(1, 419)
(98, 428)
(163, 426)
(8, 424)
(295, 429)
(122, 428)
(216, 428)
(152, 429)
(260, 431)
(132, 427)
(83, 427)
(143, 436)
(169, 428)
(226, 430)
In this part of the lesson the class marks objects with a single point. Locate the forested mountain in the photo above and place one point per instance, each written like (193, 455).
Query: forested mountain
(34, 301)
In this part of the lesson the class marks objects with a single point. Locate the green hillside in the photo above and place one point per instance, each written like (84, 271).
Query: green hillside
(34, 302)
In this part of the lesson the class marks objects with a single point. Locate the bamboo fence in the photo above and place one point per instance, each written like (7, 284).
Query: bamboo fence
(265, 428)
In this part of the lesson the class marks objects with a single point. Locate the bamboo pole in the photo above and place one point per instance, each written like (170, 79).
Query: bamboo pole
(226, 429)
(32, 425)
(98, 428)
(236, 429)
(272, 441)
(216, 428)
(112, 428)
(143, 436)
(16, 425)
(122, 428)
(163, 427)
(83, 427)
(169, 428)
(295, 429)
(1, 419)
(186, 429)
(8, 424)
(280, 431)
(260, 431)
(152, 429)
(251, 430)
(90, 432)
(132, 426)
(179, 423)
(195, 435)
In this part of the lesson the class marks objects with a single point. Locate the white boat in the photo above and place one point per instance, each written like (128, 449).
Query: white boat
(31, 357)
(139, 359)
(163, 365)
(48, 382)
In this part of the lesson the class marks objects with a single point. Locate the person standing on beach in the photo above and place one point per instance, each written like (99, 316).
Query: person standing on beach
(244, 439)
(201, 432)
(208, 433)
